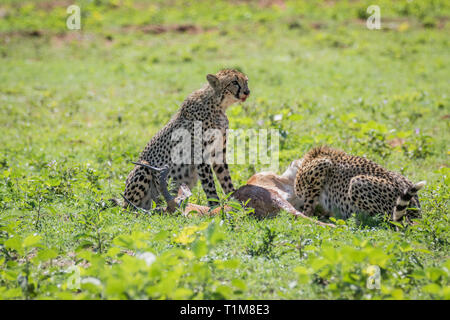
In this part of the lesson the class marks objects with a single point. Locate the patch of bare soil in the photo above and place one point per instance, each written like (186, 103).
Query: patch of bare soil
(396, 23)
(27, 33)
(271, 3)
(5, 37)
(50, 5)
(63, 38)
(318, 25)
(263, 3)
(396, 142)
(158, 29)
(56, 38)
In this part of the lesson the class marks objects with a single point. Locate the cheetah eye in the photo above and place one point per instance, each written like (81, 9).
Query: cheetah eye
(235, 83)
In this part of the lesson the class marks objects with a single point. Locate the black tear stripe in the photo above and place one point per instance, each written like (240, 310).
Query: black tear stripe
(400, 208)
(239, 90)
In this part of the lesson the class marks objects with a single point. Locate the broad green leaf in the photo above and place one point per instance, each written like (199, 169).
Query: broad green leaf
(238, 283)
(182, 294)
(31, 241)
(397, 294)
(225, 291)
(162, 235)
(227, 264)
(432, 288)
(200, 248)
(214, 234)
(14, 243)
(46, 254)
(303, 274)
(113, 251)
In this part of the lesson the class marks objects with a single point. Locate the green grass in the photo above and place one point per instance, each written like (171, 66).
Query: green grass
(76, 107)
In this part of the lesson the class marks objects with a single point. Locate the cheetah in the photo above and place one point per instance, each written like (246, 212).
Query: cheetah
(202, 119)
(335, 181)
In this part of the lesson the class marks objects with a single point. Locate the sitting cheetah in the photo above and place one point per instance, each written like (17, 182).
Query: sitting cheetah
(339, 182)
(201, 116)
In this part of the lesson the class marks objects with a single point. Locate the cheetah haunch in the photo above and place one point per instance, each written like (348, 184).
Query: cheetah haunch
(338, 182)
(202, 125)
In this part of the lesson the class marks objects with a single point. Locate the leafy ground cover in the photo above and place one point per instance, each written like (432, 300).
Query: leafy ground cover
(76, 107)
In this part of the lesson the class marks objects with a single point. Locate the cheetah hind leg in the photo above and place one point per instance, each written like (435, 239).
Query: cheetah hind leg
(141, 186)
(163, 189)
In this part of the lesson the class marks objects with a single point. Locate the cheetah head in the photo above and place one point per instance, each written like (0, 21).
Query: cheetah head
(232, 84)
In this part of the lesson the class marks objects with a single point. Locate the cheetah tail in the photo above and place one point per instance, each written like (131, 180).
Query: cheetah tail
(404, 199)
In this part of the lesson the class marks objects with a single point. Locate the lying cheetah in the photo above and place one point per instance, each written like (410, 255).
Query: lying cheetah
(339, 182)
(202, 110)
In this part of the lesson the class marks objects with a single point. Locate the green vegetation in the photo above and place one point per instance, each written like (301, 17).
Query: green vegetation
(76, 107)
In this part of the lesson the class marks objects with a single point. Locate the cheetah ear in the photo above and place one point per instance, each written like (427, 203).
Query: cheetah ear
(214, 82)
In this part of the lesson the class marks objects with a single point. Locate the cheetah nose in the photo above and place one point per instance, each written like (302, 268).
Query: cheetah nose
(247, 92)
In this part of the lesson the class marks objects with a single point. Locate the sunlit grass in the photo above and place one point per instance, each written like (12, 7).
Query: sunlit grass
(76, 107)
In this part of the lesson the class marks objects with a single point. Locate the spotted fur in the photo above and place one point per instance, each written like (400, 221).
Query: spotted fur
(335, 181)
(207, 105)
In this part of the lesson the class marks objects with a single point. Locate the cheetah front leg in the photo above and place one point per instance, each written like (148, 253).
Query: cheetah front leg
(310, 182)
(207, 179)
(220, 167)
(223, 175)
